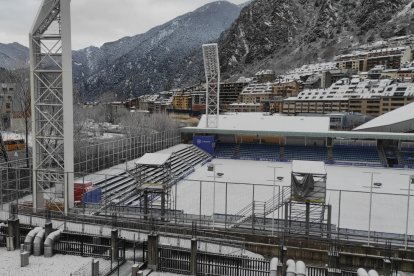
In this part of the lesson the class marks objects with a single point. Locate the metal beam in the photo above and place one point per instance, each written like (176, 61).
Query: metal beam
(52, 106)
(212, 72)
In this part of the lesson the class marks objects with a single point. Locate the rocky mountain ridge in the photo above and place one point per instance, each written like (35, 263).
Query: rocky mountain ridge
(282, 34)
(260, 34)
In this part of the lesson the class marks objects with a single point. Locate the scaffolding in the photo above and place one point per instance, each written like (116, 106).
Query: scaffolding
(307, 204)
(52, 106)
(212, 71)
(154, 176)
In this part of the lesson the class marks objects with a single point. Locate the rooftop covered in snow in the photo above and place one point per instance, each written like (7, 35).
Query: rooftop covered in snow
(264, 122)
(286, 126)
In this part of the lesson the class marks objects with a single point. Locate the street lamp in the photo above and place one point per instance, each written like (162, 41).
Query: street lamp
(279, 179)
(376, 185)
(410, 182)
(212, 167)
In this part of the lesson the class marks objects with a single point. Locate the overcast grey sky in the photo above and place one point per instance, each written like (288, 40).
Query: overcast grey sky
(96, 21)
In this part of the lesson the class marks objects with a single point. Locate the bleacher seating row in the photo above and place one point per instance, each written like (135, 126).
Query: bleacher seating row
(311, 153)
(340, 153)
(121, 188)
(259, 152)
(364, 154)
(407, 155)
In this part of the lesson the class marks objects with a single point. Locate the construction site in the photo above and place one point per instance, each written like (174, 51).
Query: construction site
(239, 194)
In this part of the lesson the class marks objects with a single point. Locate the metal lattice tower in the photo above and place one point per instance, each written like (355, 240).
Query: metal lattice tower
(52, 106)
(212, 71)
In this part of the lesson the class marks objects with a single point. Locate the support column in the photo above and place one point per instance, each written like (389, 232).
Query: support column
(95, 268)
(13, 237)
(145, 205)
(114, 244)
(286, 217)
(134, 270)
(334, 261)
(387, 267)
(48, 228)
(329, 226)
(307, 218)
(153, 241)
(163, 205)
(193, 261)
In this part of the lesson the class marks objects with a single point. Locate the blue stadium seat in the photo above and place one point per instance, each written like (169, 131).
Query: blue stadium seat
(408, 156)
(225, 150)
(364, 154)
(308, 153)
(259, 152)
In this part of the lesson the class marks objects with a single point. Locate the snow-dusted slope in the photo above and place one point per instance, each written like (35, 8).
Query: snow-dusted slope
(166, 56)
(283, 34)
(13, 56)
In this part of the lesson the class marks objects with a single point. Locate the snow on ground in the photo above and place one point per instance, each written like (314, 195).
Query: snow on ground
(57, 265)
(389, 212)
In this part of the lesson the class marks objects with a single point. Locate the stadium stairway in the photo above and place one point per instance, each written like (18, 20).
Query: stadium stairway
(260, 209)
(121, 188)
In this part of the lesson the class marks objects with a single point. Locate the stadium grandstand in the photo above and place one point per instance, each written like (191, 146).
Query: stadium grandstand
(257, 136)
(120, 186)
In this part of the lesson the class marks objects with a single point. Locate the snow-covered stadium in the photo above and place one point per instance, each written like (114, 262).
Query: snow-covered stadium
(240, 194)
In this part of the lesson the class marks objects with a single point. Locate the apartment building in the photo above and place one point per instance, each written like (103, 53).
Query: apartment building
(369, 97)
(392, 58)
(230, 93)
(7, 96)
(287, 88)
(257, 93)
(245, 107)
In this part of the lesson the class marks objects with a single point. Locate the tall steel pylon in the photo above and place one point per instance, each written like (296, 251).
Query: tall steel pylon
(52, 106)
(212, 71)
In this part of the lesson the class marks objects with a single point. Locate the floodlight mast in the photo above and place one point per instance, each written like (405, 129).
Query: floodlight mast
(212, 72)
(52, 106)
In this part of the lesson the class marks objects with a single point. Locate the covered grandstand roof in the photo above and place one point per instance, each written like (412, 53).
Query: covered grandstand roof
(153, 159)
(262, 122)
(298, 133)
(398, 120)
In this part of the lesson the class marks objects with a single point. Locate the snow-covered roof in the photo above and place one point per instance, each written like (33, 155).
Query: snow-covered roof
(313, 167)
(153, 159)
(399, 115)
(252, 121)
(345, 89)
(393, 51)
(309, 69)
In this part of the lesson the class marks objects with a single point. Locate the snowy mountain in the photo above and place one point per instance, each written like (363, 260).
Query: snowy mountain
(256, 35)
(13, 56)
(283, 34)
(165, 57)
